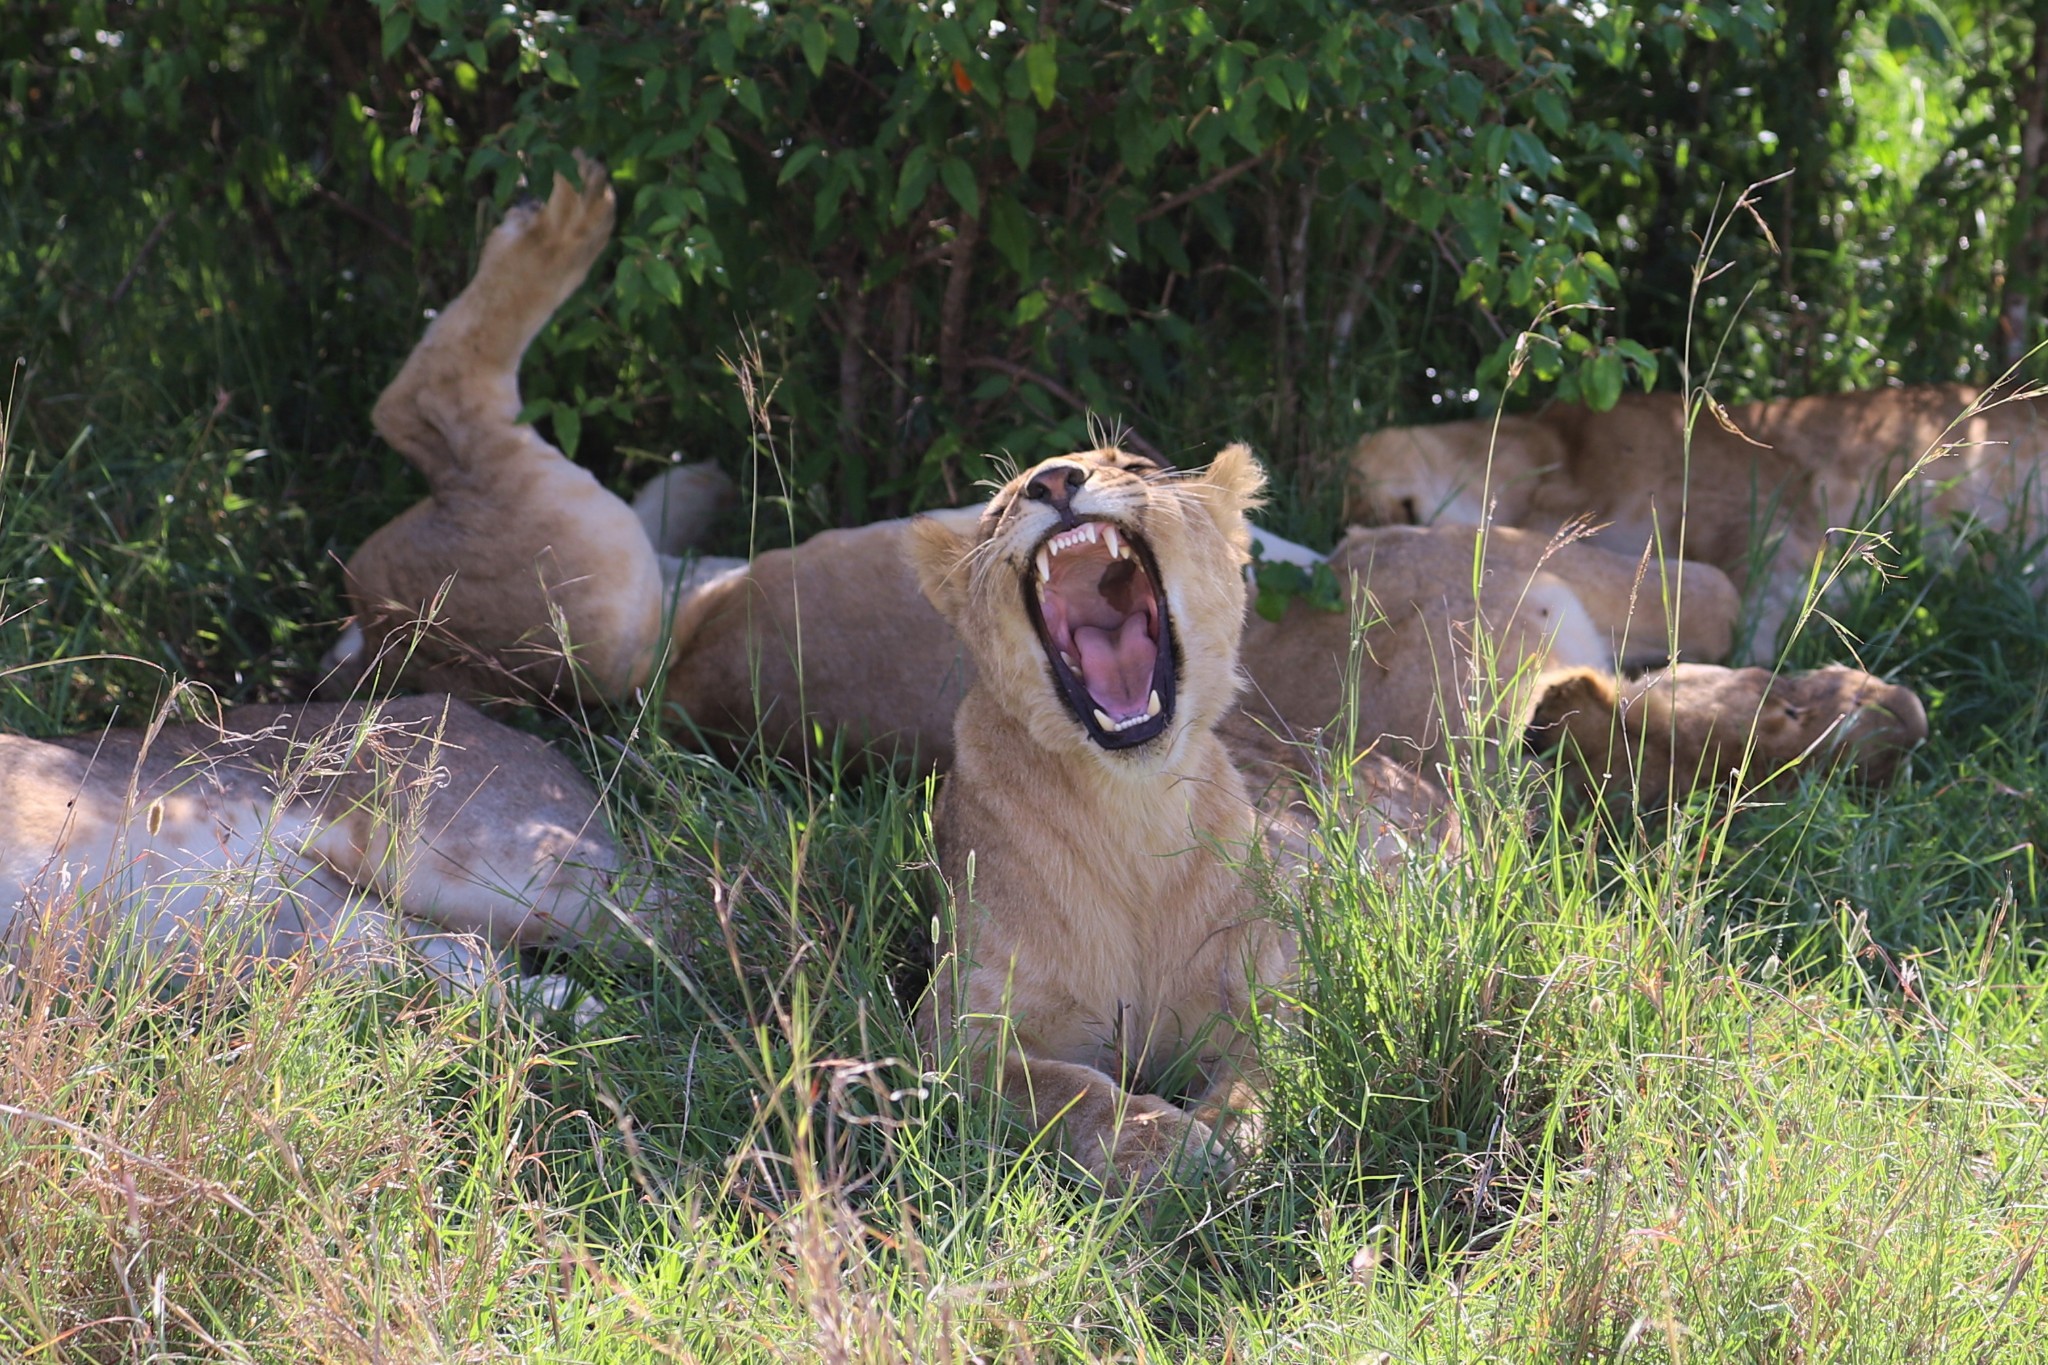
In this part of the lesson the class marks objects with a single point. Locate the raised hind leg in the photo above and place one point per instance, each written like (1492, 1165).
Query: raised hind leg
(515, 552)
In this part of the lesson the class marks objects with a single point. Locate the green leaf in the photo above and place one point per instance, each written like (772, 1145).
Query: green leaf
(568, 429)
(1325, 593)
(1280, 582)
(1467, 22)
(800, 158)
(1104, 299)
(1274, 84)
(1031, 307)
(1922, 30)
(397, 28)
(1500, 35)
(1480, 217)
(817, 46)
(917, 178)
(748, 92)
(1020, 124)
(960, 183)
(845, 38)
(1466, 94)
(1009, 228)
(1042, 66)
(1640, 356)
(663, 277)
(1602, 381)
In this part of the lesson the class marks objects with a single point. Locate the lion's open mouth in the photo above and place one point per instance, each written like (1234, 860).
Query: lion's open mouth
(1093, 595)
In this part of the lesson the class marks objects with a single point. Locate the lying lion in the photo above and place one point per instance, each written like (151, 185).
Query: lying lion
(1678, 727)
(339, 828)
(1756, 495)
(521, 563)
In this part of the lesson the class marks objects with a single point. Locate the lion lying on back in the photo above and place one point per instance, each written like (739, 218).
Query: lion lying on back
(1760, 499)
(517, 556)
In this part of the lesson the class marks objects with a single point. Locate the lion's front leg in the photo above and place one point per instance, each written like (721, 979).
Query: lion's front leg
(1127, 1142)
(1232, 1104)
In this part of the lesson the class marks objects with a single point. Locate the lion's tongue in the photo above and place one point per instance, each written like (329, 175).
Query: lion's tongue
(1117, 668)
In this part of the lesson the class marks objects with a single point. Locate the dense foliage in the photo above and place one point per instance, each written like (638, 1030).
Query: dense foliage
(950, 230)
(942, 230)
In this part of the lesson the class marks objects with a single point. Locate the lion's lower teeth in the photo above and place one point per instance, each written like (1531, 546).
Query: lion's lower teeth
(1152, 706)
(1115, 726)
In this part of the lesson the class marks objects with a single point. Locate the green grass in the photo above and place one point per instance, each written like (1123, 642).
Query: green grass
(1760, 1086)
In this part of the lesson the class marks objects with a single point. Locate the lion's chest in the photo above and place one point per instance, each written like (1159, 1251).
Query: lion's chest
(1135, 965)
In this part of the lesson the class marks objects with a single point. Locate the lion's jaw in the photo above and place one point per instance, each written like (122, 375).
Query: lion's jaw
(1102, 600)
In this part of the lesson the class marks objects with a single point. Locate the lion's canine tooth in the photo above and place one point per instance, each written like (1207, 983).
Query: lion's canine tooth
(1044, 565)
(1102, 719)
(1116, 546)
(1152, 706)
(1070, 661)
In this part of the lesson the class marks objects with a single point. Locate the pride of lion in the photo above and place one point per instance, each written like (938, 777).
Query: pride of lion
(1118, 731)
(1756, 489)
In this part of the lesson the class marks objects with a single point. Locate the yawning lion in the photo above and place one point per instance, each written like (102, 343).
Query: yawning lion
(1092, 825)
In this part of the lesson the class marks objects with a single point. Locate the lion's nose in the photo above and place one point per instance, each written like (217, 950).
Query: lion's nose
(1056, 484)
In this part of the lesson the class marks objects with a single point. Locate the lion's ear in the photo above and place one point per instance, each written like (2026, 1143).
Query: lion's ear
(1235, 481)
(1576, 704)
(938, 555)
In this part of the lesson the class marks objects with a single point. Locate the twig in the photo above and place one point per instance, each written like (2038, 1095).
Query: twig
(1061, 392)
(363, 216)
(1214, 182)
(953, 306)
(148, 245)
(1443, 247)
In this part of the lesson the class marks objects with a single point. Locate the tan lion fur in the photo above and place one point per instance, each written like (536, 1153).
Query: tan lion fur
(1423, 677)
(1687, 726)
(1106, 932)
(1766, 487)
(338, 827)
(833, 634)
(513, 542)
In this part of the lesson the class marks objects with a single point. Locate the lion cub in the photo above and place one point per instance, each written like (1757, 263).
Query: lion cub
(1092, 823)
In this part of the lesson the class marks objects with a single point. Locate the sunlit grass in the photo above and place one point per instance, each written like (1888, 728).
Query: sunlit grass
(1760, 1088)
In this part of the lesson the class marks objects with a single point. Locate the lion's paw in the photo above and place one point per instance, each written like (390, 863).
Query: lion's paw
(1162, 1145)
(581, 213)
(569, 230)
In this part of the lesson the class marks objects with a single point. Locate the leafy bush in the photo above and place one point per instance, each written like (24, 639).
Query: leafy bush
(942, 230)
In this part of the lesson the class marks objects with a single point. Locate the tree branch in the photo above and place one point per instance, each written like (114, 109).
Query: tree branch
(1214, 182)
(1061, 392)
(363, 216)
